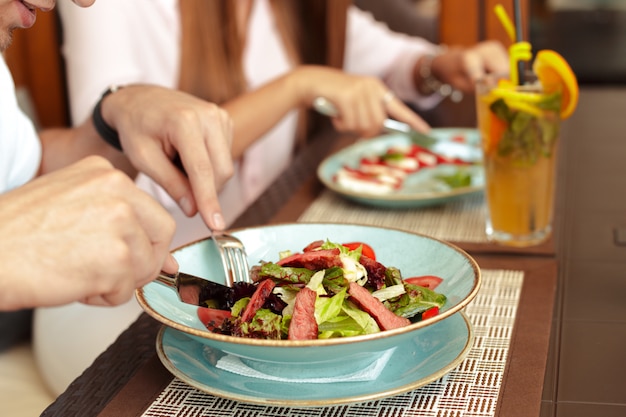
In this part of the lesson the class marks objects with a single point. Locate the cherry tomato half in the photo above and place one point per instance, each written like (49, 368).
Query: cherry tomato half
(427, 281)
(212, 318)
(366, 249)
(431, 312)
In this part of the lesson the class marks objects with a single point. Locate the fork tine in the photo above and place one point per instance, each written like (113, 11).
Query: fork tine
(226, 263)
(242, 265)
(234, 258)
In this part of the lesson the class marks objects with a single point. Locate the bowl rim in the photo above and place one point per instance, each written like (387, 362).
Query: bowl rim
(216, 337)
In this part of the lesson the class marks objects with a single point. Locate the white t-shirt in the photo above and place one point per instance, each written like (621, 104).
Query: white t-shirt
(120, 41)
(20, 148)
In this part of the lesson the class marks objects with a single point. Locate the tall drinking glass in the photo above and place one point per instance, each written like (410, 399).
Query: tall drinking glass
(519, 128)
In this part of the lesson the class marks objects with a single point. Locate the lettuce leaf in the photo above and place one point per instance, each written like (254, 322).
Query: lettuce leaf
(416, 300)
(340, 326)
(363, 319)
(287, 274)
(264, 325)
(328, 308)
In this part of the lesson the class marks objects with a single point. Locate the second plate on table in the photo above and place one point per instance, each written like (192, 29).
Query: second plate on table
(437, 350)
(419, 189)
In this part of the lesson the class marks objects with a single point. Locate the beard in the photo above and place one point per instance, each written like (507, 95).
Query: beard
(6, 39)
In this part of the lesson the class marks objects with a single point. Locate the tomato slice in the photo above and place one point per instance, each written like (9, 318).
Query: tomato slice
(212, 318)
(427, 281)
(366, 249)
(458, 139)
(431, 312)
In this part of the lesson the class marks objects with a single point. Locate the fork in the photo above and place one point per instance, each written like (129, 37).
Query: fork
(234, 258)
(327, 108)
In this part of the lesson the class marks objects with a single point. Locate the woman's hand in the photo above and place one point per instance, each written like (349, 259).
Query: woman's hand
(462, 67)
(362, 102)
(157, 125)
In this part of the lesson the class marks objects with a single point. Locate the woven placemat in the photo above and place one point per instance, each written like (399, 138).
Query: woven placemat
(471, 389)
(460, 220)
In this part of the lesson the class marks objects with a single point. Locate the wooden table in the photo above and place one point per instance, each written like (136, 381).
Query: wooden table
(127, 377)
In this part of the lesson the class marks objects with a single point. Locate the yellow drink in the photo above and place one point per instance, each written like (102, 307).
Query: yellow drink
(519, 130)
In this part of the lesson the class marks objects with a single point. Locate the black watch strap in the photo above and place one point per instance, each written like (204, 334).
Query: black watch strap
(105, 131)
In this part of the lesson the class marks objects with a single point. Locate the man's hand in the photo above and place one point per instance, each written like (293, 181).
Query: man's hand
(82, 233)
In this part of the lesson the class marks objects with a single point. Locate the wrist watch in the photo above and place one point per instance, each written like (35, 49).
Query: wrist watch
(105, 131)
(431, 85)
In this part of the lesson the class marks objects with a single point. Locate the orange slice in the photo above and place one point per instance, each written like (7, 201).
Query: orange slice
(555, 74)
(497, 127)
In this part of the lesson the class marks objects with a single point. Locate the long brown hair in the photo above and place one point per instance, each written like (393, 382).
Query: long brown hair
(211, 48)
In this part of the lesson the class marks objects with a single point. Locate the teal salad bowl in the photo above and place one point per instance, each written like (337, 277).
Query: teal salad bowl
(413, 254)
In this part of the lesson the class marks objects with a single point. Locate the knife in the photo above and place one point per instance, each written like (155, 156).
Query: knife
(192, 289)
(325, 107)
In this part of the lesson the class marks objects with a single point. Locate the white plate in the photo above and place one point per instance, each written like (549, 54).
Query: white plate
(417, 190)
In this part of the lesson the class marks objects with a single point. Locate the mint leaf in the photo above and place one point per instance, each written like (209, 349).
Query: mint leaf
(461, 178)
(528, 137)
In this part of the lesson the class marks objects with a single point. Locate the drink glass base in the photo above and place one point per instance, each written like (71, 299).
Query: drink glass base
(521, 241)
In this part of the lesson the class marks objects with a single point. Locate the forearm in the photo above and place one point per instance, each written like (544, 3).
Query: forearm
(62, 147)
(256, 112)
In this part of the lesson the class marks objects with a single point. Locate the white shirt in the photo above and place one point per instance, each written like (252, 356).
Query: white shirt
(121, 41)
(20, 148)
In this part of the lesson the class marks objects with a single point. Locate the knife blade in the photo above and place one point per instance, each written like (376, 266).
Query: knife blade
(192, 289)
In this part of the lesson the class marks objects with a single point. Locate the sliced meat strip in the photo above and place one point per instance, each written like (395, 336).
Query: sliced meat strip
(385, 318)
(303, 325)
(313, 245)
(313, 260)
(257, 300)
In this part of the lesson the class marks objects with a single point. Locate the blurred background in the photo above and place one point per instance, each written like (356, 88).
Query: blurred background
(590, 34)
